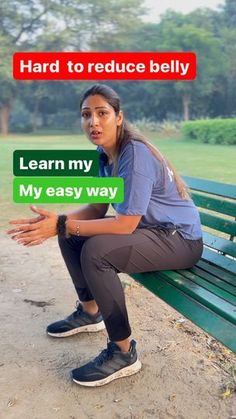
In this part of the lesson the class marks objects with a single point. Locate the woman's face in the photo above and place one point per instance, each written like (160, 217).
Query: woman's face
(99, 121)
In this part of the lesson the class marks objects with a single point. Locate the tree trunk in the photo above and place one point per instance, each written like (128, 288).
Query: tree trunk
(186, 106)
(4, 119)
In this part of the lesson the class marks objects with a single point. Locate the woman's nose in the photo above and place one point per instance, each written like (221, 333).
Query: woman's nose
(93, 120)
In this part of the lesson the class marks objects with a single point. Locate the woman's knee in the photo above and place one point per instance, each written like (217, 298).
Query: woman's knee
(93, 251)
(91, 247)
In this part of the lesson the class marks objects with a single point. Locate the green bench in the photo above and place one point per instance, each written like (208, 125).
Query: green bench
(206, 294)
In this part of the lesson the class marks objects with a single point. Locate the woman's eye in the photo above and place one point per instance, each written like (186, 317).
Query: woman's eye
(85, 115)
(102, 113)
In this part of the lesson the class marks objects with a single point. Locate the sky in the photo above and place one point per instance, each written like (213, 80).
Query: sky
(158, 7)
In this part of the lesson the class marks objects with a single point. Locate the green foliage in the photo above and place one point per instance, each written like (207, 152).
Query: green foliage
(117, 25)
(7, 84)
(145, 124)
(165, 128)
(212, 131)
(230, 13)
(64, 120)
(183, 36)
(20, 120)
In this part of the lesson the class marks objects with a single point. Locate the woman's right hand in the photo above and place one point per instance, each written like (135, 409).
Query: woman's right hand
(34, 231)
(27, 220)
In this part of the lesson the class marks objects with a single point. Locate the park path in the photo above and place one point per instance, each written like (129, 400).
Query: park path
(183, 368)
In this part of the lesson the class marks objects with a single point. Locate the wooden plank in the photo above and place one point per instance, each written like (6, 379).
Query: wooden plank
(214, 204)
(218, 223)
(219, 260)
(208, 276)
(212, 323)
(218, 243)
(207, 283)
(205, 297)
(211, 187)
(218, 272)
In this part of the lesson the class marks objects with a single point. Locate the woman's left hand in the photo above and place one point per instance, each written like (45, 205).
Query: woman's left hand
(34, 233)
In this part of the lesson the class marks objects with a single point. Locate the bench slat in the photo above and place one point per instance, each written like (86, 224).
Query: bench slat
(219, 260)
(219, 282)
(217, 223)
(216, 289)
(213, 302)
(202, 316)
(217, 272)
(218, 243)
(214, 204)
(211, 187)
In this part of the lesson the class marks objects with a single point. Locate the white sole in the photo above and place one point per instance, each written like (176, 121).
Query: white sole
(87, 328)
(124, 372)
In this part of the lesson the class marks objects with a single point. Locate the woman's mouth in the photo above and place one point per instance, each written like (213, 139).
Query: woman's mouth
(95, 135)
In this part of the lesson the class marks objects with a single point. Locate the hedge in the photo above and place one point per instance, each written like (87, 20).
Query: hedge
(213, 131)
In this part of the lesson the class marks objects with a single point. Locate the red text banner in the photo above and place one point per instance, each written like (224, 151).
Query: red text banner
(104, 66)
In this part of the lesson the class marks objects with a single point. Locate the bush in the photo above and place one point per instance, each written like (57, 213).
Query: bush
(145, 124)
(166, 127)
(63, 119)
(212, 131)
(20, 119)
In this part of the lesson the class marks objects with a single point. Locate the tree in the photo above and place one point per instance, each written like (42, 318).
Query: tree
(187, 37)
(49, 25)
(229, 13)
(227, 37)
(7, 84)
(18, 19)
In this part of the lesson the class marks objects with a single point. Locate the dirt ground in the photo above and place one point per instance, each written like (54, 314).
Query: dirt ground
(186, 373)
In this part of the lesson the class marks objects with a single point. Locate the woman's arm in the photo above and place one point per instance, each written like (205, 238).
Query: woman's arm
(31, 234)
(84, 212)
(88, 212)
(120, 224)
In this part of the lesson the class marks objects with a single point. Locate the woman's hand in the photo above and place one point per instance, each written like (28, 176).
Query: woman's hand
(34, 231)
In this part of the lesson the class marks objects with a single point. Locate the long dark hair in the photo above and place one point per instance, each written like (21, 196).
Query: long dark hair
(126, 133)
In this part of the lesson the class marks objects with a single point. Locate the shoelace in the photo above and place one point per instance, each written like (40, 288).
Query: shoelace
(106, 354)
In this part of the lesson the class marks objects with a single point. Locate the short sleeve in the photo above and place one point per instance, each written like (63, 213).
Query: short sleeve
(137, 173)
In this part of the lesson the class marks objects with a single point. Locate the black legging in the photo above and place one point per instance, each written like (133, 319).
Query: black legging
(93, 263)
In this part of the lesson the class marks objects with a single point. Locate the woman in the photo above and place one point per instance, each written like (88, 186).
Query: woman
(157, 227)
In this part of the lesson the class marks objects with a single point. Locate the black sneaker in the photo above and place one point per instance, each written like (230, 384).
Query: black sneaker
(111, 364)
(77, 322)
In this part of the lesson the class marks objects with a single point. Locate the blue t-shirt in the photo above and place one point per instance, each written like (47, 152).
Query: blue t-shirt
(150, 191)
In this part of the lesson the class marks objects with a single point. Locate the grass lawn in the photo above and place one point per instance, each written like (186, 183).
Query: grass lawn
(216, 162)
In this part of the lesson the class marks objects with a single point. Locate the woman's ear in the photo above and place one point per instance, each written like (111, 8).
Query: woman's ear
(119, 118)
